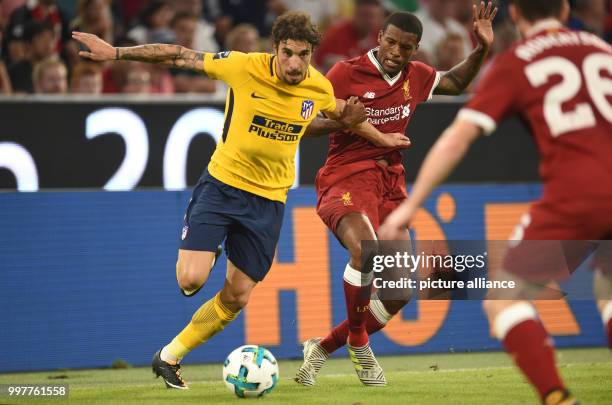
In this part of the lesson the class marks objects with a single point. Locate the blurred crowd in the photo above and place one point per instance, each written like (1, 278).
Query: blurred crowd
(38, 55)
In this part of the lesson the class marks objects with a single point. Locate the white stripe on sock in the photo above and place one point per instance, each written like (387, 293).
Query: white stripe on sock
(606, 313)
(166, 356)
(512, 316)
(378, 310)
(357, 278)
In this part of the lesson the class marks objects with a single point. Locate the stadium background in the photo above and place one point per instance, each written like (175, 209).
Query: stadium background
(87, 275)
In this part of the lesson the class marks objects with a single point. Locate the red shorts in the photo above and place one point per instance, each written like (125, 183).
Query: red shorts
(582, 227)
(368, 187)
(568, 221)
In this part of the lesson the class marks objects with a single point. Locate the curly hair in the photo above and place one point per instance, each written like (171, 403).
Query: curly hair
(295, 26)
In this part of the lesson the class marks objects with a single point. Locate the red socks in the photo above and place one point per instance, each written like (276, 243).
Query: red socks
(357, 290)
(377, 318)
(527, 342)
(336, 338)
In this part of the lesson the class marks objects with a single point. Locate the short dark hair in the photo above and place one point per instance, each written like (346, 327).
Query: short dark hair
(406, 22)
(296, 26)
(534, 10)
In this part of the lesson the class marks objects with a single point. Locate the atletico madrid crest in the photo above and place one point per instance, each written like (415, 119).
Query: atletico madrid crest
(307, 108)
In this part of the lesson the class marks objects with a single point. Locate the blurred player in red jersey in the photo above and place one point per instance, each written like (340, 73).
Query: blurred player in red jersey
(363, 180)
(559, 82)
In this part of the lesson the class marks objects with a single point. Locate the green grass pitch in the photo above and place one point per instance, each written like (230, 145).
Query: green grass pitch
(468, 378)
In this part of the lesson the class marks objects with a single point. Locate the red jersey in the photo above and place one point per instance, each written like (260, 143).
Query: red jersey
(560, 83)
(389, 101)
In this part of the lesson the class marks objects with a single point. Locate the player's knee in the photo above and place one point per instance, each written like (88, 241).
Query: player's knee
(188, 277)
(361, 253)
(189, 283)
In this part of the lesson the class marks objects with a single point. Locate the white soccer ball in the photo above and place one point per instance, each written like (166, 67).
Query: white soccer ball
(250, 371)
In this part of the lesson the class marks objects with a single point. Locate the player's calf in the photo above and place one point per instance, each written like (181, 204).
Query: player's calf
(379, 314)
(517, 326)
(352, 229)
(233, 299)
(357, 290)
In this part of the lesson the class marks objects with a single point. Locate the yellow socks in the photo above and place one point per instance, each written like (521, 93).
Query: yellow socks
(208, 320)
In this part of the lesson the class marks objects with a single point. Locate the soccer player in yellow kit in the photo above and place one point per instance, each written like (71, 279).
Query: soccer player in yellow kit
(240, 196)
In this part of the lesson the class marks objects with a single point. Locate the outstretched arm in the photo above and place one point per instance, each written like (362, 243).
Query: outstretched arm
(175, 56)
(323, 126)
(443, 157)
(456, 80)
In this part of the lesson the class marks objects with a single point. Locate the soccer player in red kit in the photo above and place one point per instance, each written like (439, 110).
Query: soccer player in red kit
(363, 179)
(560, 83)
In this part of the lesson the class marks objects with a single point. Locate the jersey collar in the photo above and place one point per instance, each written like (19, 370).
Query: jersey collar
(390, 80)
(546, 24)
(272, 65)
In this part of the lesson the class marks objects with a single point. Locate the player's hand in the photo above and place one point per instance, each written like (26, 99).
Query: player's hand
(483, 22)
(99, 50)
(353, 112)
(393, 140)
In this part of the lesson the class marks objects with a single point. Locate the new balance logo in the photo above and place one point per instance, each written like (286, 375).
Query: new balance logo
(256, 96)
(369, 94)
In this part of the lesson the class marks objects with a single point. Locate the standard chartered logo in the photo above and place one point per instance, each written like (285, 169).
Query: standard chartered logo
(380, 116)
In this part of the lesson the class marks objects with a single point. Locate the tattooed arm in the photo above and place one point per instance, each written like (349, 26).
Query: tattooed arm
(175, 56)
(459, 77)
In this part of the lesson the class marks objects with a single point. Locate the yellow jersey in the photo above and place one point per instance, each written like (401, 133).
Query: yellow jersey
(264, 121)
